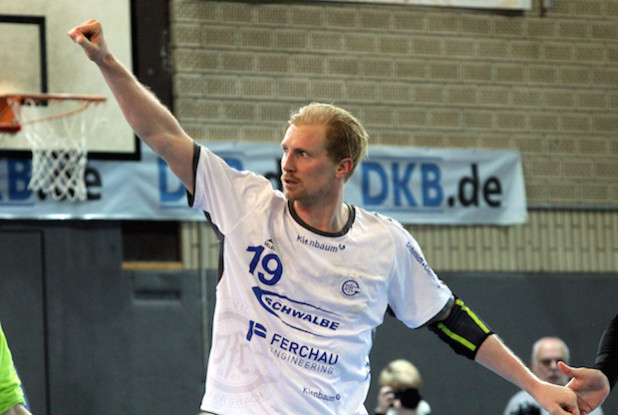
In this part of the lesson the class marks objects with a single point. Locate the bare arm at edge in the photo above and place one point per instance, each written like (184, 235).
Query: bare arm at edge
(17, 410)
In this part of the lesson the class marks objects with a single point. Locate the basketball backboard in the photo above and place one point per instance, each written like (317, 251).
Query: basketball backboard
(37, 56)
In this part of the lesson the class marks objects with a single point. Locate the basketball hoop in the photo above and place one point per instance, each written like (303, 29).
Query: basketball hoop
(57, 127)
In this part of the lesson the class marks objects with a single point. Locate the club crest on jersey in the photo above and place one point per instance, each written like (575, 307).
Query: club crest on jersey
(298, 315)
(350, 288)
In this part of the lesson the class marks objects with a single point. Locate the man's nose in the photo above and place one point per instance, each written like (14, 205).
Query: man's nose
(286, 163)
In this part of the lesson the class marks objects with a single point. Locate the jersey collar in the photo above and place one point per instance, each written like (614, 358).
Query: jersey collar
(342, 232)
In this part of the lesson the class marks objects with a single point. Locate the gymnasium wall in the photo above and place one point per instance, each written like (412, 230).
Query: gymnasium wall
(90, 338)
(542, 82)
(520, 308)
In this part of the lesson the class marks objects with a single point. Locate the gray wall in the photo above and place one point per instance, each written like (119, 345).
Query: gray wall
(519, 308)
(542, 82)
(89, 338)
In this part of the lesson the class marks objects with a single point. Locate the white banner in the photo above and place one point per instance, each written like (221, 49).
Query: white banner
(476, 4)
(412, 185)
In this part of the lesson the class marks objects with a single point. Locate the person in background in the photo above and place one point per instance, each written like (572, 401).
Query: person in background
(400, 386)
(12, 399)
(547, 353)
(592, 385)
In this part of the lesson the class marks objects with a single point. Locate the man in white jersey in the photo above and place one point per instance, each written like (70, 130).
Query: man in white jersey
(306, 277)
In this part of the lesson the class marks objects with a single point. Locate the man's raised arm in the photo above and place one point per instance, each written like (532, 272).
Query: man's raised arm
(151, 121)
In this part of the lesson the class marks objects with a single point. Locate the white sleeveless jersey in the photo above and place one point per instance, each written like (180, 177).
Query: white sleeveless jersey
(295, 307)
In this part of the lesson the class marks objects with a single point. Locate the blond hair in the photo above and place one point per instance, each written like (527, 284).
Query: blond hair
(345, 136)
(400, 374)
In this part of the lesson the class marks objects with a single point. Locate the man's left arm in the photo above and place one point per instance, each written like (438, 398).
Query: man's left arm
(468, 335)
(495, 356)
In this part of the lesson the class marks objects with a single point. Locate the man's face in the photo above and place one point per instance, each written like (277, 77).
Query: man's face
(545, 365)
(309, 175)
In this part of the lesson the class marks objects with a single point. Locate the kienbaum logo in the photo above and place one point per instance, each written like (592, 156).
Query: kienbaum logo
(314, 243)
(350, 288)
(318, 394)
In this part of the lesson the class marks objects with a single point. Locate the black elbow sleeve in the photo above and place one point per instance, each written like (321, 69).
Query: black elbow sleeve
(462, 330)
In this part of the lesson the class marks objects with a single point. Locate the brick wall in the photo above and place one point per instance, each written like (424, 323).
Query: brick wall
(542, 82)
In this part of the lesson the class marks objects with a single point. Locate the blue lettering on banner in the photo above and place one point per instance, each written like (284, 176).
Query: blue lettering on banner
(234, 162)
(14, 190)
(400, 184)
(411, 185)
(399, 187)
(167, 194)
(367, 168)
(19, 176)
(432, 190)
(418, 186)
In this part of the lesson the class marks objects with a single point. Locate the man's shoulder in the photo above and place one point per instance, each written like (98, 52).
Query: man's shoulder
(370, 217)
(383, 226)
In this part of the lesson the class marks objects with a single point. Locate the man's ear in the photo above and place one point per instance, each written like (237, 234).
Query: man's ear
(345, 167)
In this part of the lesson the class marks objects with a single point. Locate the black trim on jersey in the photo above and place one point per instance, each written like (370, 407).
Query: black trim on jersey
(196, 158)
(191, 199)
(221, 240)
(343, 231)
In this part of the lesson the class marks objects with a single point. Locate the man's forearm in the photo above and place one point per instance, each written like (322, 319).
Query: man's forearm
(495, 356)
(498, 358)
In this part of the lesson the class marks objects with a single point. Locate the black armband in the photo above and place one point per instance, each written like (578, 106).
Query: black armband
(607, 355)
(462, 330)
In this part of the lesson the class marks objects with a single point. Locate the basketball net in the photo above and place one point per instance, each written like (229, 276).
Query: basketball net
(57, 131)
